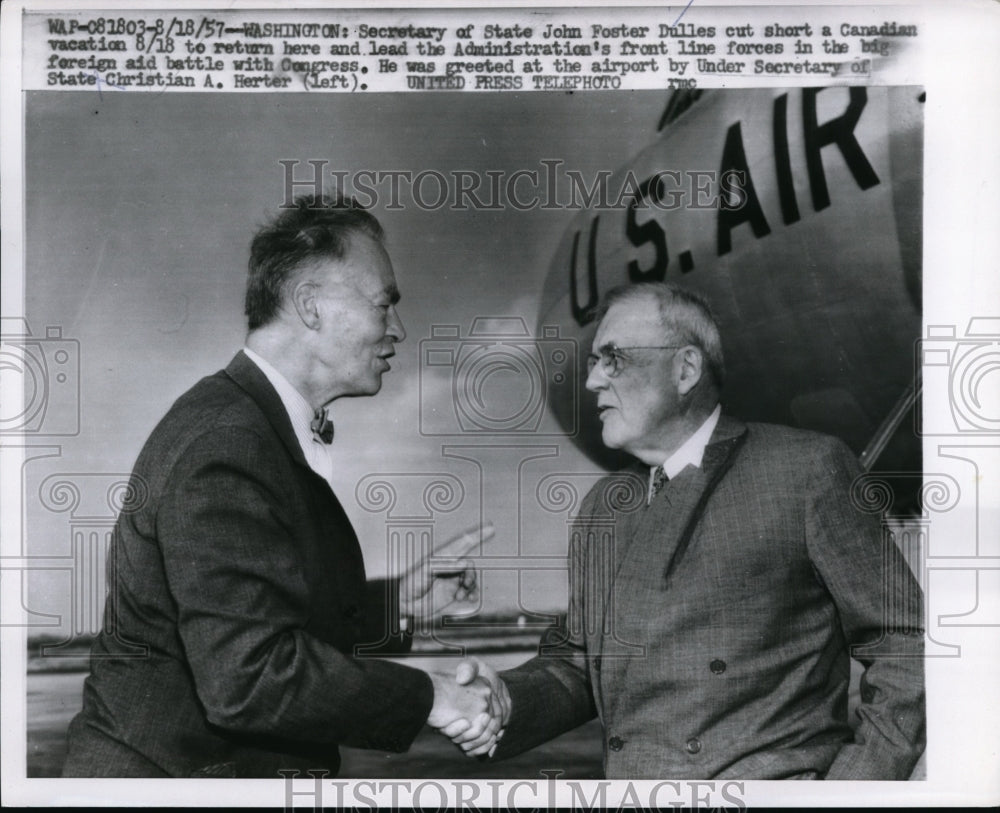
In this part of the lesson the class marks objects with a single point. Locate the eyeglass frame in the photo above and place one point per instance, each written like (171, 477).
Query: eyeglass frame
(609, 351)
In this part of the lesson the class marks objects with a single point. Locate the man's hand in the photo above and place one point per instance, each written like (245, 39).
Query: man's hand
(477, 740)
(443, 577)
(471, 706)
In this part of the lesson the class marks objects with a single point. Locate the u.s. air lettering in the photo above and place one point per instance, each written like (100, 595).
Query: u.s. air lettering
(730, 191)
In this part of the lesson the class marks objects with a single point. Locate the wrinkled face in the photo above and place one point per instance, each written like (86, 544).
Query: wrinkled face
(359, 324)
(637, 405)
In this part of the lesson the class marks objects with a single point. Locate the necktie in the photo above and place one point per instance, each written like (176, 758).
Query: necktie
(659, 480)
(322, 426)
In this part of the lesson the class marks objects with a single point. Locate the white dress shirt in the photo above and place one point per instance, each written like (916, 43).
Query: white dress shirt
(690, 452)
(316, 452)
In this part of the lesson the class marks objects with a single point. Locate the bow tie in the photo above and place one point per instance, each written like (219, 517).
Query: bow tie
(322, 426)
(659, 480)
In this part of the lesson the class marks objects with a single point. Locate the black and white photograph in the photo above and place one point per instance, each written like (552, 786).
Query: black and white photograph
(575, 406)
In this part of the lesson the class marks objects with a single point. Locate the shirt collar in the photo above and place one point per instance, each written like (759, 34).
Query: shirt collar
(693, 449)
(298, 409)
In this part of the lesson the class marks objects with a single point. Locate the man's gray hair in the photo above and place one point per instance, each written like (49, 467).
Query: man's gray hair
(686, 317)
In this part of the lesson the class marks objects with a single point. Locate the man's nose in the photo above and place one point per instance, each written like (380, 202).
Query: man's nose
(596, 379)
(395, 326)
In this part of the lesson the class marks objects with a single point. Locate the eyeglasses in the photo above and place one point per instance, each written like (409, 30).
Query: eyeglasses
(613, 360)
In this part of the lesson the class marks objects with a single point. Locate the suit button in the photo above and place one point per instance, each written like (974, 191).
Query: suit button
(597, 664)
(616, 743)
(693, 745)
(717, 666)
(351, 612)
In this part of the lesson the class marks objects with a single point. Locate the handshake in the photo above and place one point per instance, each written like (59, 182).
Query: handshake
(472, 708)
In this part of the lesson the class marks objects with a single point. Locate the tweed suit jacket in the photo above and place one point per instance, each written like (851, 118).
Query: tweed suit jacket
(711, 630)
(237, 597)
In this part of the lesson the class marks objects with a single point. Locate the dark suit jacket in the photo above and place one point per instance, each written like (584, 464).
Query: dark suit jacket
(237, 595)
(727, 655)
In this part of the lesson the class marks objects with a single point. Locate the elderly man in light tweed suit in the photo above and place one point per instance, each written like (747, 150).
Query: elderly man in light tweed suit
(711, 628)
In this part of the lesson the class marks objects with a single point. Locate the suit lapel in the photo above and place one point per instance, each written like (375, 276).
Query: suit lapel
(673, 514)
(721, 451)
(728, 436)
(345, 558)
(252, 380)
(652, 534)
(626, 522)
(649, 544)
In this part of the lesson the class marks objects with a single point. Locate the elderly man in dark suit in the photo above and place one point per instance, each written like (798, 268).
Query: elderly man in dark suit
(237, 593)
(711, 622)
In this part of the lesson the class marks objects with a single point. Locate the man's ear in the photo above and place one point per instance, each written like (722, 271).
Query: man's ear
(305, 300)
(691, 363)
